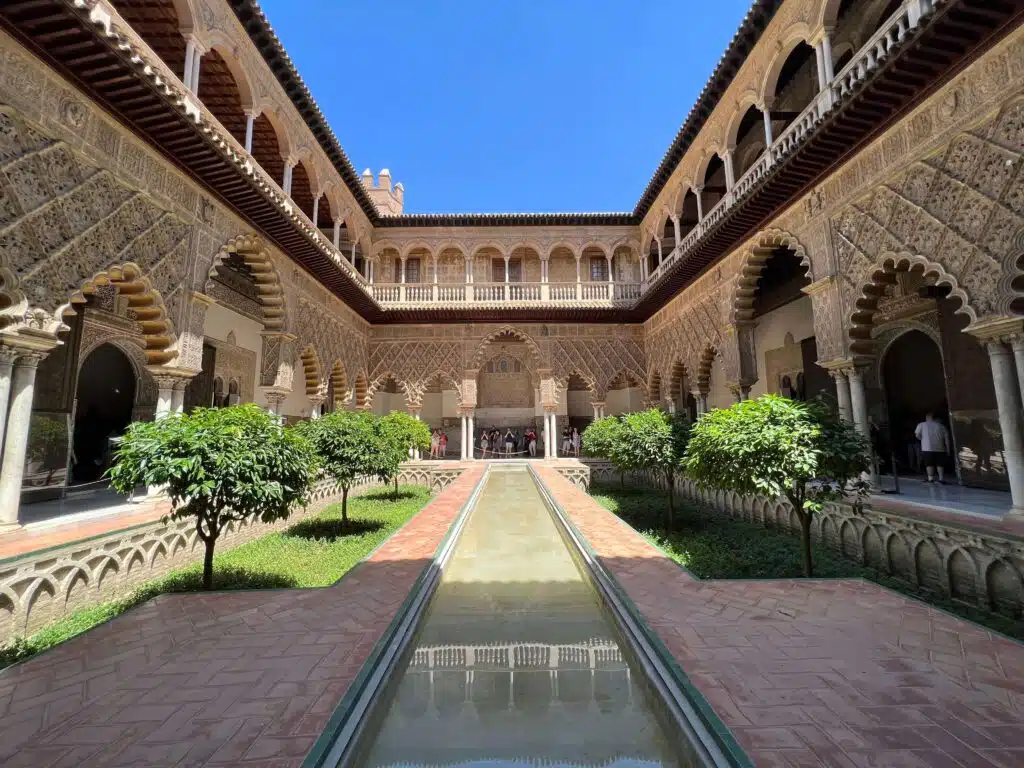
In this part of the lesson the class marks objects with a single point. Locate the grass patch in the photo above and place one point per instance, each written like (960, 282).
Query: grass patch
(713, 546)
(315, 552)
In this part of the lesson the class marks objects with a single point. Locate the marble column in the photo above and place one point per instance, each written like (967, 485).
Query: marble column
(843, 395)
(1008, 400)
(464, 440)
(472, 432)
(165, 395)
(19, 420)
(178, 396)
(1017, 342)
(859, 407)
(250, 122)
(7, 358)
(766, 113)
(555, 440)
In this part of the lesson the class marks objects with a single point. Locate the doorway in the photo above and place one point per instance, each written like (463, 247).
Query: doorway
(105, 400)
(914, 382)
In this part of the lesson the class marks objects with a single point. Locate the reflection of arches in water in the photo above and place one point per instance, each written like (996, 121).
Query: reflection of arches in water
(914, 383)
(105, 395)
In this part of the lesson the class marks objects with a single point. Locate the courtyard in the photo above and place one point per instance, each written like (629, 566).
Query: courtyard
(298, 470)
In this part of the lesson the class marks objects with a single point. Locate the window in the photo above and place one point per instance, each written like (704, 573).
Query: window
(598, 269)
(412, 271)
(515, 270)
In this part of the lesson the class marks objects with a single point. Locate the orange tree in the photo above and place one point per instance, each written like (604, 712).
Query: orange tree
(776, 447)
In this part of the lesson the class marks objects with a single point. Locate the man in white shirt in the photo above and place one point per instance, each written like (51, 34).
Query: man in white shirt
(935, 444)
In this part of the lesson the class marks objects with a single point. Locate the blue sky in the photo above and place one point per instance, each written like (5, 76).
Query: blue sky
(502, 106)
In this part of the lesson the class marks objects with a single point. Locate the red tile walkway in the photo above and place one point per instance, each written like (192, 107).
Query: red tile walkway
(823, 673)
(225, 679)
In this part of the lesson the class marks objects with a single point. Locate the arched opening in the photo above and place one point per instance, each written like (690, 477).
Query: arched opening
(795, 87)
(266, 148)
(689, 216)
(302, 189)
(388, 397)
(914, 384)
(324, 217)
(853, 22)
(105, 398)
(579, 402)
(158, 23)
(653, 256)
(222, 95)
(625, 395)
(713, 183)
(749, 141)
(668, 237)
(904, 295)
(679, 391)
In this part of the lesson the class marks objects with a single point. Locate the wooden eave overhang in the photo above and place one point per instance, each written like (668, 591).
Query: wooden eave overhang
(109, 69)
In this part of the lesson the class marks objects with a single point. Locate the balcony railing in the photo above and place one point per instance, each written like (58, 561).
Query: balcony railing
(893, 32)
(590, 294)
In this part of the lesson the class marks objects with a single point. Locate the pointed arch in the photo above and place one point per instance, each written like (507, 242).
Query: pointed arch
(754, 261)
(254, 252)
(480, 354)
(311, 370)
(144, 301)
(870, 287)
(704, 365)
(339, 383)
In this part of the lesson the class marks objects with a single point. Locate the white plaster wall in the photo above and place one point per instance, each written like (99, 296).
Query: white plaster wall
(578, 404)
(770, 332)
(623, 401)
(719, 395)
(388, 402)
(432, 412)
(220, 321)
(296, 404)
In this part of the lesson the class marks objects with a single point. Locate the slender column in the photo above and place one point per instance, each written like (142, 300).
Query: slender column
(699, 192)
(506, 269)
(463, 456)
(826, 52)
(548, 441)
(858, 402)
(289, 166)
(7, 358)
(401, 273)
(416, 451)
(611, 269)
(672, 406)
(190, 54)
(677, 230)
(16, 437)
(178, 397)
(433, 288)
(555, 442)
(164, 395)
(337, 236)
(1017, 341)
(274, 399)
(843, 395)
(316, 212)
(819, 56)
(597, 412)
(661, 253)
(196, 62)
(369, 268)
(250, 121)
(579, 279)
(1008, 400)
(730, 173)
(472, 433)
(766, 113)
(352, 254)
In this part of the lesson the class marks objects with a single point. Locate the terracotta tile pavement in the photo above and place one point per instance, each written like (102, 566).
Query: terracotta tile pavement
(246, 678)
(823, 673)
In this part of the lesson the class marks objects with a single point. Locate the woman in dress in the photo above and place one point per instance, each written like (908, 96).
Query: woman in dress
(435, 444)
(442, 443)
(485, 442)
(576, 442)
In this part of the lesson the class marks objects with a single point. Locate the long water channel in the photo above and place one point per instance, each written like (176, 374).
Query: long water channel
(516, 660)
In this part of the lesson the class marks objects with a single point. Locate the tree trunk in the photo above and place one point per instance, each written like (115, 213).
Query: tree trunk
(344, 505)
(395, 494)
(622, 480)
(671, 503)
(805, 529)
(208, 563)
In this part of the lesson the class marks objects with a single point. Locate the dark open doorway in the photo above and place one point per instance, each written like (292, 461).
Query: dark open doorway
(105, 398)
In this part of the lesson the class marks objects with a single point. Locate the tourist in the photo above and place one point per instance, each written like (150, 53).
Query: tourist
(576, 442)
(935, 444)
(435, 443)
(510, 442)
(485, 442)
(531, 440)
(566, 441)
(442, 443)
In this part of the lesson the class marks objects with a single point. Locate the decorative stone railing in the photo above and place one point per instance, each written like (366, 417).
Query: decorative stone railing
(583, 294)
(884, 43)
(981, 569)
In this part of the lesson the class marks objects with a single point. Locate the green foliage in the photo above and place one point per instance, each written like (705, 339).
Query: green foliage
(315, 552)
(600, 437)
(396, 434)
(713, 546)
(773, 447)
(649, 440)
(217, 465)
(346, 442)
